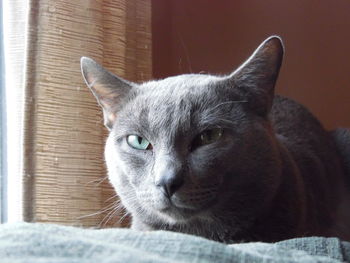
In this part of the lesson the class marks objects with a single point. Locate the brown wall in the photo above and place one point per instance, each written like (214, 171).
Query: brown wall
(216, 36)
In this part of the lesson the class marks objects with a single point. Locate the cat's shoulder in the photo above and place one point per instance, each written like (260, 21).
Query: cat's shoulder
(289, 116)
(283, 104)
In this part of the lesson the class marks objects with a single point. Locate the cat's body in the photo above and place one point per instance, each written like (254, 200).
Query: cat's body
(221, 157)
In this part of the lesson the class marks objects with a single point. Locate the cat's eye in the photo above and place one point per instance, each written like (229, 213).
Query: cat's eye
(138, 142)
(207, 137)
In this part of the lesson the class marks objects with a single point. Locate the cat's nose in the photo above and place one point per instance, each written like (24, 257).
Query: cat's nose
(170, 180)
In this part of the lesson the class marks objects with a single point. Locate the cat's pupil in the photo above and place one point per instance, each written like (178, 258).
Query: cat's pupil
(211, 135)
(138, 142)
(207, 137)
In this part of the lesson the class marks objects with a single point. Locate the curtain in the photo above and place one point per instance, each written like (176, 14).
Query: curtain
(1, 117)
(14, 25)
(64, 176)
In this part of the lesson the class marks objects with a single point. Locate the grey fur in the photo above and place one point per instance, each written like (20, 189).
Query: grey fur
(274, 174)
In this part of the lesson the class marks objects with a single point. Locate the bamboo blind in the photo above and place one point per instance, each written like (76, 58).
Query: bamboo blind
(64, 136)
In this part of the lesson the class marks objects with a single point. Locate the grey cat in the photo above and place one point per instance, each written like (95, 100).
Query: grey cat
(221, 156)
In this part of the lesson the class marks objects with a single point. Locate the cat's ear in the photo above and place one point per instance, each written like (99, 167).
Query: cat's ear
(108, 89)
(256, 77)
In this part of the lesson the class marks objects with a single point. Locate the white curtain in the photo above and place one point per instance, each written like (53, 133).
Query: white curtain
(14, 33)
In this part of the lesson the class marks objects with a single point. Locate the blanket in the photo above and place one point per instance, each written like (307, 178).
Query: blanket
(33, 242)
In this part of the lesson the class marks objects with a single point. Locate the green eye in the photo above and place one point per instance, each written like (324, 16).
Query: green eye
(207, 137)
(138, 142)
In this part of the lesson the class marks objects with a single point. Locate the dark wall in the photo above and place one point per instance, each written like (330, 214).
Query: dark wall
(217, 36)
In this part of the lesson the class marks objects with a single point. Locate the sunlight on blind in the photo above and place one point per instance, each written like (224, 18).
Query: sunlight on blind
(14, 21)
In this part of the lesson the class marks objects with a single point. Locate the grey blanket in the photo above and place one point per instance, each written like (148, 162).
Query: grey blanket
(23, 242)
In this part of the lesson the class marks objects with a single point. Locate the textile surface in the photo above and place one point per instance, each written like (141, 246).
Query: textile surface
(29, 242)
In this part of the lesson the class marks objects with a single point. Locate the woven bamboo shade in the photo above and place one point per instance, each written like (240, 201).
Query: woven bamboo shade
(64, 136)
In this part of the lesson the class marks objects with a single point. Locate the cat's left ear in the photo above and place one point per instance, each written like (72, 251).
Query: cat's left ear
(256, 78)
(108, 89)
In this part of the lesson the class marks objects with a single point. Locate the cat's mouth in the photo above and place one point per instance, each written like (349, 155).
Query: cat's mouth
(179, 214)
(186, 204)
(180, 210)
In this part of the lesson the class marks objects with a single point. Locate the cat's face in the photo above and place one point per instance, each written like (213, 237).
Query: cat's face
(189, 146)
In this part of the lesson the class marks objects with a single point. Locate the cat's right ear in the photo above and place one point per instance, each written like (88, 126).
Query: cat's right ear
(106, 87)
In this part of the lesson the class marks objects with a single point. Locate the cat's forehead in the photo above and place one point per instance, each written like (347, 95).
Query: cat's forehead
(181, 85)
(179, 94)
(181, 101)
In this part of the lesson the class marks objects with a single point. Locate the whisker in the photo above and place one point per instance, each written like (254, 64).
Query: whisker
(228, 102)
(103, 222)
(110, 198)
(121, 219)
(97, 181)
(96, 213)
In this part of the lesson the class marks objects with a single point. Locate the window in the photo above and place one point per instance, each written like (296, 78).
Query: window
(2, 125)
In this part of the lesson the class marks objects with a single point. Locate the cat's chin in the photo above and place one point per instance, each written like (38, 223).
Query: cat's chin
(175, 215)
(180, 213)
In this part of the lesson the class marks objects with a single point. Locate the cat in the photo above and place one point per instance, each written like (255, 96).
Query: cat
(222, 157)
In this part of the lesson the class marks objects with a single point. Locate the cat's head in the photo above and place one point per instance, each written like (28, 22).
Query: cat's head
(192, 146)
